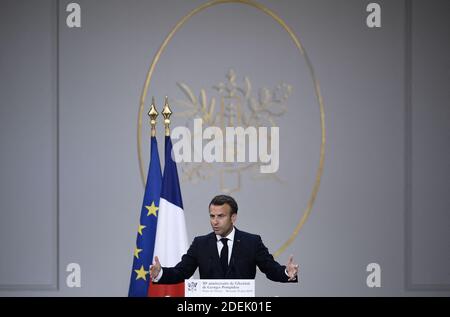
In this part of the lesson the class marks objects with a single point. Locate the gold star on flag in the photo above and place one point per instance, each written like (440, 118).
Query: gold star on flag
(136, 252)
(152, 209)
(140, 229)
(141, 273)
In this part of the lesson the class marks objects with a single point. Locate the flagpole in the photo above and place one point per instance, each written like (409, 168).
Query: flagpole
(166, 112)
(153, 114)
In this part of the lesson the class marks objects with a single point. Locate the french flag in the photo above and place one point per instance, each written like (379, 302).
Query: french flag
(171, 236)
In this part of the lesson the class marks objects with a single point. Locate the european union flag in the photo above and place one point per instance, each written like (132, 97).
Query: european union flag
(145, 242)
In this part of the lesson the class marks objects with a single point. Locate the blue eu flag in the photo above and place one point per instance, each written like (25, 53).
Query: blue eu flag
(145, 242)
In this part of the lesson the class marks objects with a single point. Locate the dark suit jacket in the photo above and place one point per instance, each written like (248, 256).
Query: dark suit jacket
(248, 252)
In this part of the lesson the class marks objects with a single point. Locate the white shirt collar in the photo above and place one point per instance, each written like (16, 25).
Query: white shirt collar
(230, 236)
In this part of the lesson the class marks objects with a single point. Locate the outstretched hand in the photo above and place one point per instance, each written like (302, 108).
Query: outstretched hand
(291, 268)
(155, 268)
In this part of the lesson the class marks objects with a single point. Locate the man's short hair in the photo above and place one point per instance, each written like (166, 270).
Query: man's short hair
(220, 200)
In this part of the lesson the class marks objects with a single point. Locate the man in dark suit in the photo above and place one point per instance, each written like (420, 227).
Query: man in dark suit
(225, 253)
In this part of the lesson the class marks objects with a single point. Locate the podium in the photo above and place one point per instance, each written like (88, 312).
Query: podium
(219, 288)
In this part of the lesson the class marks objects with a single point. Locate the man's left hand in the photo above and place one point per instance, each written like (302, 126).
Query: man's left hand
(291, 268)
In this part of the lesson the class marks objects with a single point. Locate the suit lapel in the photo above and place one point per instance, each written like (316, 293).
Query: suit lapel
(236, 248)
(214, 255)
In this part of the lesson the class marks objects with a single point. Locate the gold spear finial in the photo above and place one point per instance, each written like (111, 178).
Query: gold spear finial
(153, 114)
(166, 114)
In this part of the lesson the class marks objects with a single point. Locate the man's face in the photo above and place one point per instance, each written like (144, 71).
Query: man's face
(221, 219)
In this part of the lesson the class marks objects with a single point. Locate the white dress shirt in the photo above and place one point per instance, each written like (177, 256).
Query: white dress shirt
(230, 238)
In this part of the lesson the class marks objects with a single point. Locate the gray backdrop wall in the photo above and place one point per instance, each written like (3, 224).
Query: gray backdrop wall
(70, 183)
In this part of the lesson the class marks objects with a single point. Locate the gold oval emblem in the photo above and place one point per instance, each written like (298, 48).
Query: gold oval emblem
(302, 51)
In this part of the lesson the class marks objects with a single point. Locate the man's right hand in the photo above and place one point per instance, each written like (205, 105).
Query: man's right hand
(155, 268)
